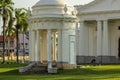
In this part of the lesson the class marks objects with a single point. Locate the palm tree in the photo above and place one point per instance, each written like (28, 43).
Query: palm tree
(6, 9)
(21, 25)
(10, 32)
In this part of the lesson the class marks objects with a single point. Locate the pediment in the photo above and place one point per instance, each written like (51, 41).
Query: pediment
(100, 6)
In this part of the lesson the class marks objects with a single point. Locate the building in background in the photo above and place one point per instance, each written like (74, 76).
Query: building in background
(99, 32)
(23, 45)
(11, 47)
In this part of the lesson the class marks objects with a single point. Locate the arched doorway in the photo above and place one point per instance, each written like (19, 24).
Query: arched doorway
(119, 48)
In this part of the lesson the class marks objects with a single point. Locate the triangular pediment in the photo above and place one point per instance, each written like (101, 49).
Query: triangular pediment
(100, 6)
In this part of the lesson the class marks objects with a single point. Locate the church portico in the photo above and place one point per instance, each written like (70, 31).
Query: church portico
(99, 32)
(97, 42)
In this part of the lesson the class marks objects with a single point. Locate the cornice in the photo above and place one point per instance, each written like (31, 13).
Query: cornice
(38, 20)
(99, 12)
(82, 7)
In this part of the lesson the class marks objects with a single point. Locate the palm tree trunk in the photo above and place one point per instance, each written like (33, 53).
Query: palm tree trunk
(23, 49)
(8, 47)
(17, 43)
(4, 22)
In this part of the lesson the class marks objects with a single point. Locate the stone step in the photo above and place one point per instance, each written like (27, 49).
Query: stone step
(36, 72)
(41, 65)
(38, 69)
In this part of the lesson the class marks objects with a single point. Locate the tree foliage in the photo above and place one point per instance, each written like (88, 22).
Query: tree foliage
(13, 19)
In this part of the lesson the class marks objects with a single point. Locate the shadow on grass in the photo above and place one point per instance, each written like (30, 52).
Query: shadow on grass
(75, 74)
(12, 69)
(88, 72)
(11, 72)
(72, 72)
(11, 65)
(82, 71)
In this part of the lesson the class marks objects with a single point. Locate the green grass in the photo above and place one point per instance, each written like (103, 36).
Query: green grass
(104, 72)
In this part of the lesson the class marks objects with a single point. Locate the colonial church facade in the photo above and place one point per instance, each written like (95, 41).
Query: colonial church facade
(99, 32)
(67, 36)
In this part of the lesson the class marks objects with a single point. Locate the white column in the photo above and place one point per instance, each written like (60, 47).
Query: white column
(105, 38)
(49, 48)
(99, 38)
(38, 46)
(77, 39)
(32, 45)
(54, 45)
(59, 46)
(82, 39)
(35, 45)
(44, 46)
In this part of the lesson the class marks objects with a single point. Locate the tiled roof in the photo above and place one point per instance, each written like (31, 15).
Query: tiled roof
(6, 38)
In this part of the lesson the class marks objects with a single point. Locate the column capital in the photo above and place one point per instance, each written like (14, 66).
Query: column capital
(98, 20)
(37, 30)
(49, 29)
(81, 21)
(101, 20)
(105, 20)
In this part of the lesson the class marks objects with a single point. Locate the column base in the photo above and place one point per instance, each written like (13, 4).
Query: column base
(52, 70)
(38, 62)
(98, 59)
(107, 60)
(66, 66)
(84, 59)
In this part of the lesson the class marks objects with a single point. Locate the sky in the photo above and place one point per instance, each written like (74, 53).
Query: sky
(30, 3)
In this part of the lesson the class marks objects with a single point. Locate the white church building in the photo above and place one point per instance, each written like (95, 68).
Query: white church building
(66, 36)
(99, 32)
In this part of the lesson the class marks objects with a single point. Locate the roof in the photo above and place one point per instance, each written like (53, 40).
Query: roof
(52, 9)
(100, 6)
(6, 38)
(50, 2)
(99, 10)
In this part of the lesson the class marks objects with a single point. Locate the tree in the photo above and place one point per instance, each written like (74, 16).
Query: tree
(10, 32)
(6, 8)
(21, 25)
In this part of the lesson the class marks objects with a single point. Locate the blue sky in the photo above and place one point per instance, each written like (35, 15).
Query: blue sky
(29, 3)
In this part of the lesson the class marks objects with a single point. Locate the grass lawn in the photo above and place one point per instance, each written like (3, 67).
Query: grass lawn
(105, 72)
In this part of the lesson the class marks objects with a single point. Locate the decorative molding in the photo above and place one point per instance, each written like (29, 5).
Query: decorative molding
(38, 20)
(81, 7)
(100, 16)
(100, 12)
